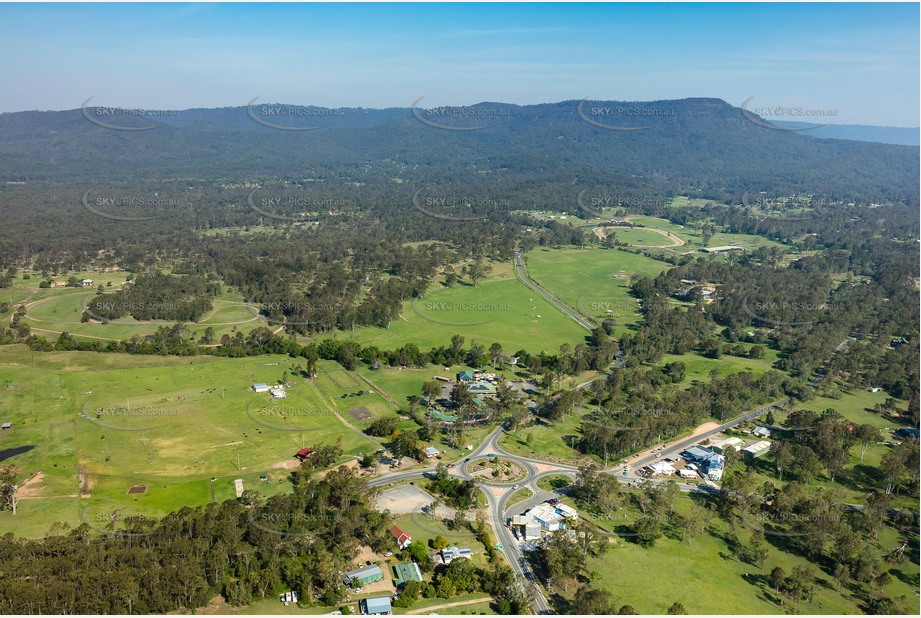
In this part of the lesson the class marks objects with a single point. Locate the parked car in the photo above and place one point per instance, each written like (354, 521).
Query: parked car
(515, 486)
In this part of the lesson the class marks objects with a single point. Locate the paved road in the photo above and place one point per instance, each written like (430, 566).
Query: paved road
(499, 494)
(522, 271)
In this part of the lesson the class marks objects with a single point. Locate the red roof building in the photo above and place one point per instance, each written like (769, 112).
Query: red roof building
(403, 538)
(304, 453)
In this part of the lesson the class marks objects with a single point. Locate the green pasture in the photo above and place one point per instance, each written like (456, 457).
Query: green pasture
(496, 310)
(112, 421)
(594, 281)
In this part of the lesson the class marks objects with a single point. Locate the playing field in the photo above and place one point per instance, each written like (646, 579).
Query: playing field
(594, 281)
(100, 423)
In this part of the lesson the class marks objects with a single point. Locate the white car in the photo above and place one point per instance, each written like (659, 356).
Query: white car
(515, 486)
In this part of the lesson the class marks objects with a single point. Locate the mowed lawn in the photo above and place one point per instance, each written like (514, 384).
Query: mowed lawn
(594, 281)
(705, 578)
(499, 310)
(163, 422)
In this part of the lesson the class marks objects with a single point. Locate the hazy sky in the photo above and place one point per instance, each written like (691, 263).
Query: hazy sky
(859, 59)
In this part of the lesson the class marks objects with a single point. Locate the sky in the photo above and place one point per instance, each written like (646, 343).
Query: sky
(860, 61)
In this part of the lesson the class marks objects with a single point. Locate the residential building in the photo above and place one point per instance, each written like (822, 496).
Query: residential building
(403, 538)
(451, 553)
(465, 376)
(303, 454)
(761, 432)
(406, 572)
(431, 451)
(697, 453)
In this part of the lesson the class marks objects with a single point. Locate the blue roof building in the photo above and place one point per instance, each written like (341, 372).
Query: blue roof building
(377, 606)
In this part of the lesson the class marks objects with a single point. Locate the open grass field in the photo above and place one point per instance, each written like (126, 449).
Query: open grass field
(593, 281)
(699, 367)
(706, 579)
(51, 311)
(500, 309)
(546, 440)
(107, 422)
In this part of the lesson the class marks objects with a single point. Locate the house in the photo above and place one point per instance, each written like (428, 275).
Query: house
(375, 606)
(687, 474)
(6, 426)
(278, 392)
(756, 449)
(402, 537)
(899, 341)
(720, 446)
(875, 389)
(661, 467)
(261, 387)
(288, 597)
(465, 376)
(365, 575)
(547, 517)
(431, 451)
(406, 572)
(87, 283)
(714, 467)
(304, 453)
(452, 553)
(761, 432)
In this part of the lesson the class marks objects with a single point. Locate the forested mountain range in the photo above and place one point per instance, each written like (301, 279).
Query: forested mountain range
(703, 146)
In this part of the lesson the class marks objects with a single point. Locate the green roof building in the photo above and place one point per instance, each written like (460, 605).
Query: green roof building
(464, 376)
(407, 572)
(365, 575)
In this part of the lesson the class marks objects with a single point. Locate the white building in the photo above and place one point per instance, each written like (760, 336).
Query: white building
(278, 392)
(451, 553)
(719, 446)
(547, 517)
(757, 449)
(261, 387)
(663, 468)
(567, 511)
(687, 474)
